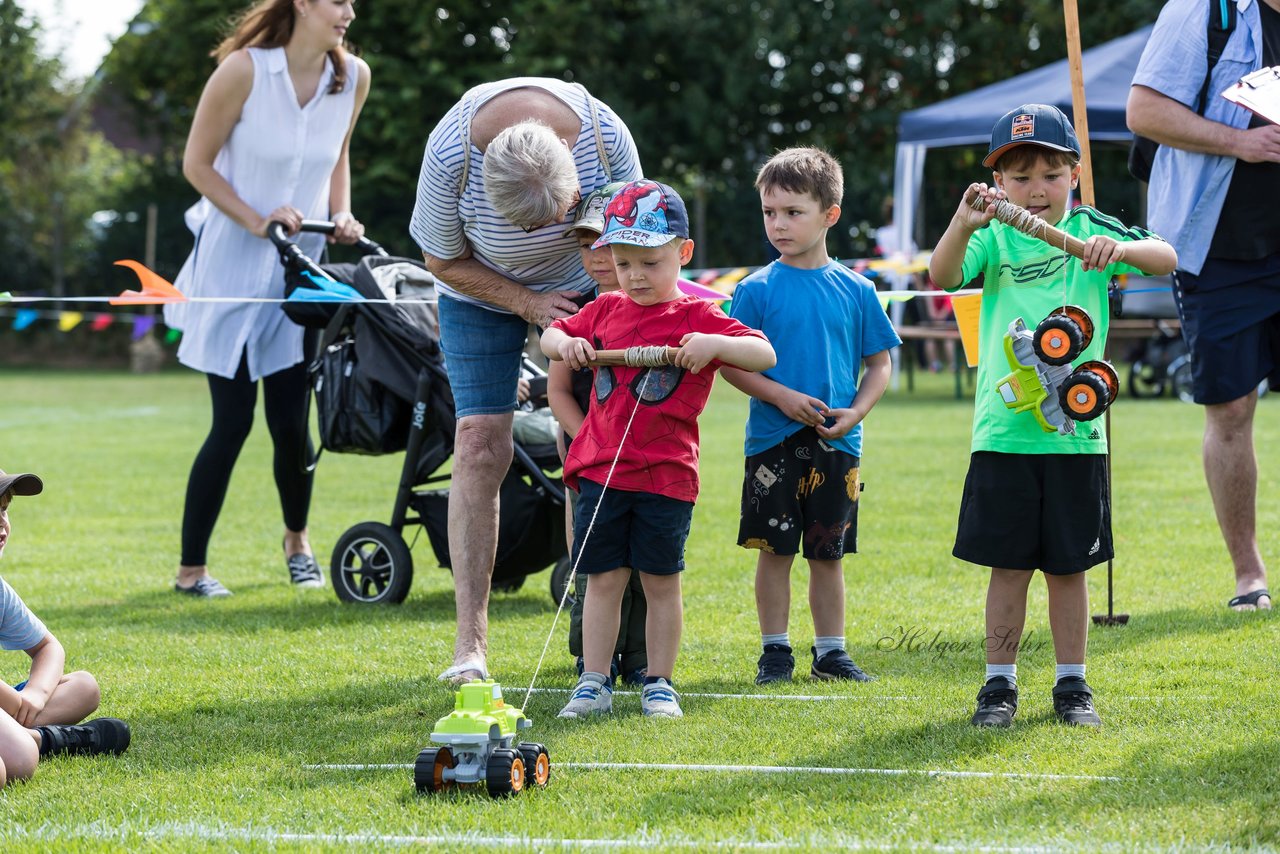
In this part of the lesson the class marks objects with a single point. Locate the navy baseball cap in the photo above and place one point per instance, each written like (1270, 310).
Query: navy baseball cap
(644, 213)
(1032, 124)
(21, 484)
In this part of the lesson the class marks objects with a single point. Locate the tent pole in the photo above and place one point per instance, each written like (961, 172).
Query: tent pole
(1080, 115)
(1081, 119)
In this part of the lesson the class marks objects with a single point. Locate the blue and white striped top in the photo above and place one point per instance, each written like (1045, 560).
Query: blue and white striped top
(444, 223)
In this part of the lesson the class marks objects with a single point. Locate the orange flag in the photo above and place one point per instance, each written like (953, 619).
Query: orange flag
(154, 288)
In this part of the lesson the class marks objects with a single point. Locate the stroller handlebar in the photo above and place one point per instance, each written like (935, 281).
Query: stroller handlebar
(276, 234)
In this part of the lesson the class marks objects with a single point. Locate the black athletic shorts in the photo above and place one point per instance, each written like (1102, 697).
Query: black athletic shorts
(1231, 321)
(642, 530)
(1050, 512)
(801, 489)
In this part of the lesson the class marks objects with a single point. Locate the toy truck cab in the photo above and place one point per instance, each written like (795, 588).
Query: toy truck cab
(478, 739)
(1043, 381)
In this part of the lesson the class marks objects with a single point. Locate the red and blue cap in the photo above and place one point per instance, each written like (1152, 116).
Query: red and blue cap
(1032, 124)
(644, 213)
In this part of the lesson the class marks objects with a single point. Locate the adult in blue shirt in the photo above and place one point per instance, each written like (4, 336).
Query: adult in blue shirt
(1213, 190)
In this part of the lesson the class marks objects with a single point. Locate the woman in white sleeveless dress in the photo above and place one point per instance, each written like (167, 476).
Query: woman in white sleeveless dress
(269, 142)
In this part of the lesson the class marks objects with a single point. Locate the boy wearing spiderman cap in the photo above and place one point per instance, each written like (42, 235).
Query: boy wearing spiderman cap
(635, 460)
(38, 717)
(569, 394)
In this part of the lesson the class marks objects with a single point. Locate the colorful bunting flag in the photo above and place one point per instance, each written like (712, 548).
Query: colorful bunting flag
(172, 335)
(886, 297)
(23, 318)
(155, 289)
(69, 320)
(142, 324)
(100, 322)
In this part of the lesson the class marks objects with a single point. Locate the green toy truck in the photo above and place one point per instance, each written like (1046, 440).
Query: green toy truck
(478, 746)
(1044, 382)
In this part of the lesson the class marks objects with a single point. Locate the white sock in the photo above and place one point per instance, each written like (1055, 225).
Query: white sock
(825, 643)
(782, 639)
(1065, 670)
(1008, 671)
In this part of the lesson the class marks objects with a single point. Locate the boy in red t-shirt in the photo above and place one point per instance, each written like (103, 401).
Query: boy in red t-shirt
(635, 460)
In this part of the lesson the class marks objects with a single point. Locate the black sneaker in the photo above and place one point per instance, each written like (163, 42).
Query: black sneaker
(100, 735)
(634, 677)
(776, 664)
(1073, 702)
(997, 703)
(837, 664)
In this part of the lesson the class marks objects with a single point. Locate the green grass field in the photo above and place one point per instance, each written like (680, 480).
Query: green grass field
(230, 701)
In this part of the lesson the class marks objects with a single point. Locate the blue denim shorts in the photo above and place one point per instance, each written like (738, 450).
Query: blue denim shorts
(640, 530)
(482, 355)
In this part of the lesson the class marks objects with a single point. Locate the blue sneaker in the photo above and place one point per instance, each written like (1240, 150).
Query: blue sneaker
(660, 700)
(591, 696)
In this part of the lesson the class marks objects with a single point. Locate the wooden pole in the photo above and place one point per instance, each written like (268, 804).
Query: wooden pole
(1080, 116)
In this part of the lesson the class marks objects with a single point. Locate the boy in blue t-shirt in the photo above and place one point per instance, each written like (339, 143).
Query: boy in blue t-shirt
(38, 716)
(804, 431)
(1035, 498)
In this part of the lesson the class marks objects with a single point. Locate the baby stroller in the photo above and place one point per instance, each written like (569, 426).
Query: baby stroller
(380, 387)
(1161, 364)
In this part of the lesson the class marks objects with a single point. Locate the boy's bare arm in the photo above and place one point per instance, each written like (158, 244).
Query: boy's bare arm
(560, 397)
(875, 379)
(749, 352)
(48, 660)
(1151, 256)
(947, 261)
(558, 345)
(794, 404)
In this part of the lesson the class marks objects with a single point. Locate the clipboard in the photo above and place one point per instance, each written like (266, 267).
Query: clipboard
(1259, 92)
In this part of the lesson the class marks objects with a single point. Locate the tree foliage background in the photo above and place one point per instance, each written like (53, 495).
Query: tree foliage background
(709, 89)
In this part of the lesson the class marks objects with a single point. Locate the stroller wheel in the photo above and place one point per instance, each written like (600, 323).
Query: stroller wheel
(560, 580)
(1180, 376)
(1145, 380)
(371, 564)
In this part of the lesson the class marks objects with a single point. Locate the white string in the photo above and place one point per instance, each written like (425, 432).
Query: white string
(1066, 259)
(157, 300)
(582, 546)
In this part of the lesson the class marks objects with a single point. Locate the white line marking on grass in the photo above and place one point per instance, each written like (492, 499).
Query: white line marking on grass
(810, 698)
(758, 769)
(122, 834)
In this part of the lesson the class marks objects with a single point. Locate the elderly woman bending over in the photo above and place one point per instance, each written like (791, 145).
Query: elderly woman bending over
(503, 170)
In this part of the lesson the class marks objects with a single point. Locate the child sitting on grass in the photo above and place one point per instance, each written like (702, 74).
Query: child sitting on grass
(635, 461)
(1034, 499)
(38, 716)
(569, 394)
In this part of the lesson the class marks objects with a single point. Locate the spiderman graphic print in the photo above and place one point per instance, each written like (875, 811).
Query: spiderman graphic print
(660, 454)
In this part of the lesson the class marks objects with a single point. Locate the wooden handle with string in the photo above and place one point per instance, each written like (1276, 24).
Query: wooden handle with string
(1030, 224)
(635, 357)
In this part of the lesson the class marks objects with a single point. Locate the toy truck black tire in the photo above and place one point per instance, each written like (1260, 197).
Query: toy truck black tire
(537, 763)
(504, 775)
(428, 770)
